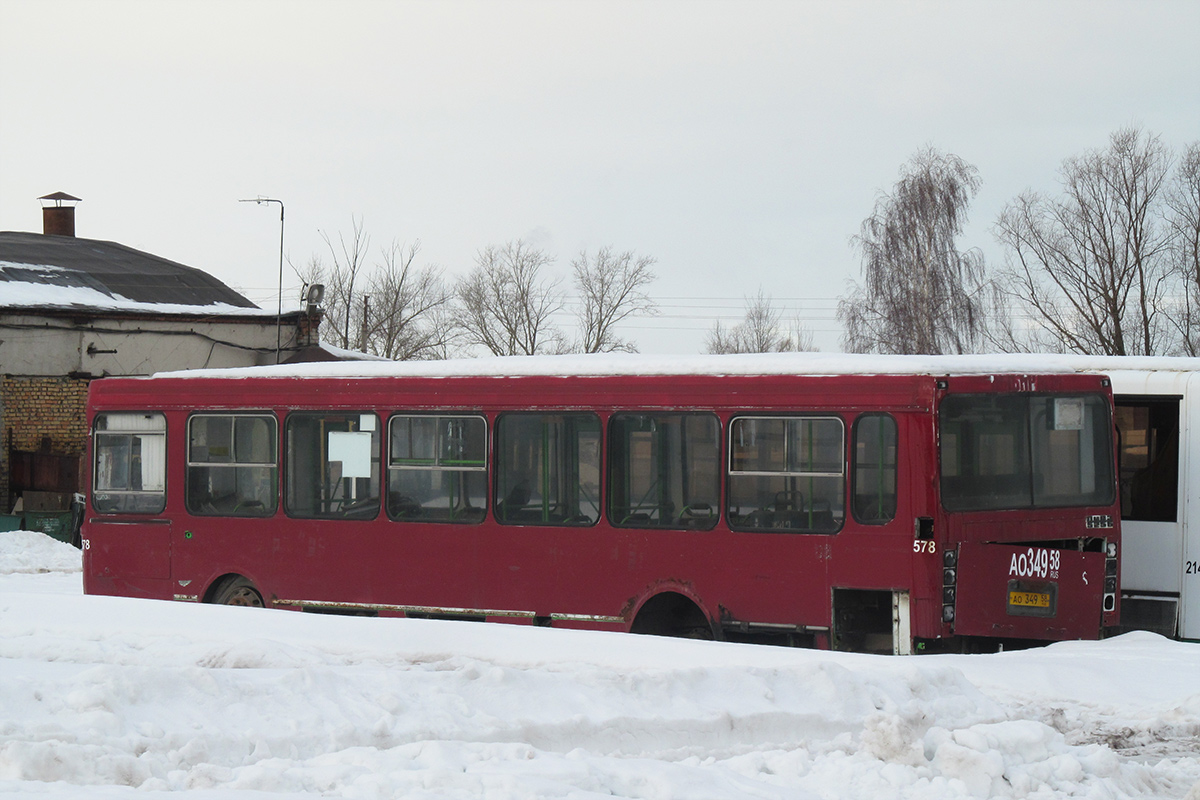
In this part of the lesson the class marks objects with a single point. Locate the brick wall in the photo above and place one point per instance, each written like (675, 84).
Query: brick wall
(32, 409)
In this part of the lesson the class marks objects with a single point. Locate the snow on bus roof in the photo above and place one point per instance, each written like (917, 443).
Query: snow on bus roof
(742, 364)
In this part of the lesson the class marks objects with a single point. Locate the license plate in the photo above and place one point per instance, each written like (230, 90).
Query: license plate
(1029, 599)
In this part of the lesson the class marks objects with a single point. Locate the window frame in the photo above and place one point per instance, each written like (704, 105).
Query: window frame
(499, 479)
(272, 466)
(1032, 447)
(364, 511)
(732, 474)
(854, 466)
(158, 433)
(391, 467)
(1149, 501)
(680, 522)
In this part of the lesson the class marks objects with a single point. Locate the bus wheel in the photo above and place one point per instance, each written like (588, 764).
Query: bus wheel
(237, 591)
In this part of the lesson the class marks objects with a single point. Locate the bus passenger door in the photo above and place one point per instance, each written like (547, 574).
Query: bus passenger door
(1151, 512)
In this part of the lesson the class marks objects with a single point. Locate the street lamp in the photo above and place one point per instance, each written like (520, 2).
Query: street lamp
(279, 314)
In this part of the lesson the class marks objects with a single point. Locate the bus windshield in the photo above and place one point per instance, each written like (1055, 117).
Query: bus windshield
(1009, 451)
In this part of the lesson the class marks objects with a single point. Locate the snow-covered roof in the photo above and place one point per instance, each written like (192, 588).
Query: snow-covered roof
(754, 364)
(65, 272)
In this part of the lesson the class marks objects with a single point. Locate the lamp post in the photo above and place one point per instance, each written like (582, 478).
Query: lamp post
(279, 313)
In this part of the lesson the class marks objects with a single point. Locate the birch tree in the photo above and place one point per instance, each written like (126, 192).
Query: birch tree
(919, 292)
(405, 320)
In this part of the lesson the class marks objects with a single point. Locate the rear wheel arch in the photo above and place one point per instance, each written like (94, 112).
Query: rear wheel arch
(673, 612)
(235, 590)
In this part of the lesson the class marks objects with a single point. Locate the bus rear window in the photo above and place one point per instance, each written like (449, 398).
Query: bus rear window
(1025, 451)
(130, 470)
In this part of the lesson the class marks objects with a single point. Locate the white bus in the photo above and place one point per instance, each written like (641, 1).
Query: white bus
(1158, 427)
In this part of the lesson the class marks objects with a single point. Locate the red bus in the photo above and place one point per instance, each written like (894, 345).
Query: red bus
(878, 504)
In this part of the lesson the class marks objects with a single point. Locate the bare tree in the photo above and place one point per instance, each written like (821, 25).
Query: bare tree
(761, 330)
(611, 289)
(802, 338)
(405, 322)
(1183, 202)
(342, 306)
(505, 305)
(919, 294)
(391, 308)
(1092, 268)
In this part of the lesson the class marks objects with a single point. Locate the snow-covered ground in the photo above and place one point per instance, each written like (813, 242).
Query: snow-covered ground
(115, 698)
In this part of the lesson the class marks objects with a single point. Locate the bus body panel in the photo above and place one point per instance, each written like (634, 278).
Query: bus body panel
(1161, 557)
(1189, 611)
(130, 548)
(1028, 592)
(592, 576)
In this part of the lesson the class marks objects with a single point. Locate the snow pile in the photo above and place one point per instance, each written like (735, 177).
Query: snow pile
(114, 697)
(34, 552)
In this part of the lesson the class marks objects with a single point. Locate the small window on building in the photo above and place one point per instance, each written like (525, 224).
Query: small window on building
(437, 469)
(130, 470)
(664, 470)
(875, 456)
(787, 474)
(548, 469)
(232, 465)
(332, 465)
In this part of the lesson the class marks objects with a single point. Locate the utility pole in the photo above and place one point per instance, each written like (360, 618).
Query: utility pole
(279, 312)
(362, 344)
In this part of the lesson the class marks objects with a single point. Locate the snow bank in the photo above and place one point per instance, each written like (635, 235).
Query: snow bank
(35, 552)
(115, 697)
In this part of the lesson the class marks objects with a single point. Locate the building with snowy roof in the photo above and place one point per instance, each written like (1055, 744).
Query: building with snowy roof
(75, 309)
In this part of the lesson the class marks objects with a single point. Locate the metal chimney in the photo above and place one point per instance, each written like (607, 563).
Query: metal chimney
(58, 214)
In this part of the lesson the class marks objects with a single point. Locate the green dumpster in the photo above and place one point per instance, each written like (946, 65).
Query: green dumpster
(10, 522)
(51, 523)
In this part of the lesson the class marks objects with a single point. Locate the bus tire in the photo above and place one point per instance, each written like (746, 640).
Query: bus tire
(237, 591)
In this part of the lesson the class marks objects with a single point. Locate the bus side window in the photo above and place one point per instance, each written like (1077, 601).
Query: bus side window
(332, 465)
(787, 474)
(437, 468)
(1149, 459)
(232, 467)
(875, 457)
(130, 470)
(547, 469)
(664, 470)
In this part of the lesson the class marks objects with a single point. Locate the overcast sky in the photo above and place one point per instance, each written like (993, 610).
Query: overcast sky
(739, 143)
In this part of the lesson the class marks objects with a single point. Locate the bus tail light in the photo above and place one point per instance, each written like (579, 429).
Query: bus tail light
(949, 584)
(1110, 577)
